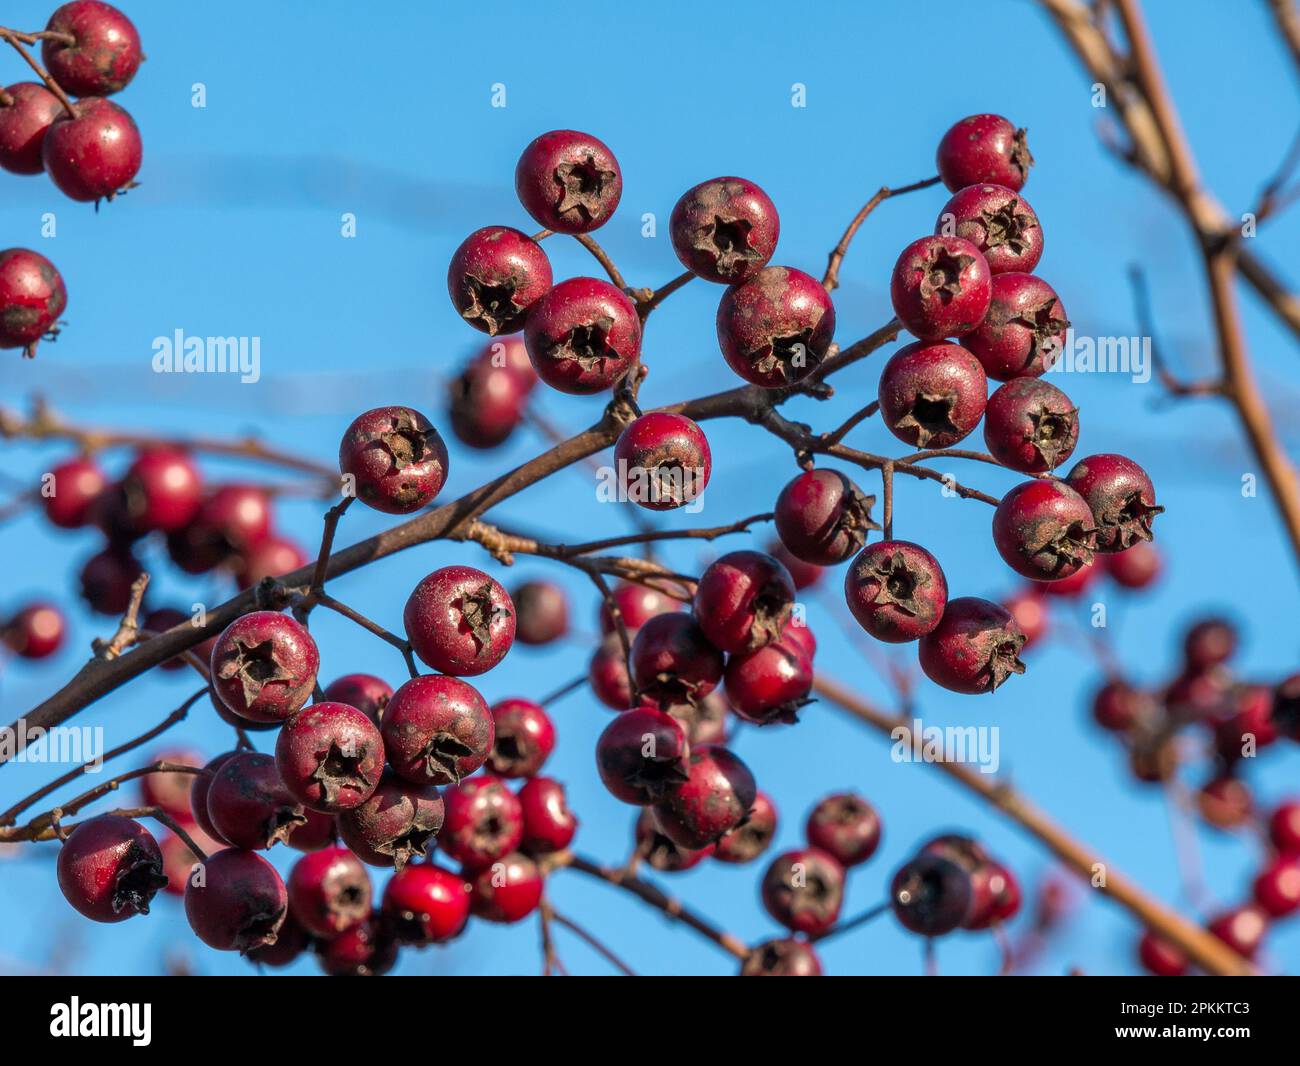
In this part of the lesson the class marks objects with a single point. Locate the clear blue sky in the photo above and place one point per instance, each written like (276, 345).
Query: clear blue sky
(314, 110)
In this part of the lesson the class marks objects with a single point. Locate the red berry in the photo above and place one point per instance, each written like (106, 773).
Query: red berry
(200, 784)
(803, 890)
(822, 517)
(110, 868)
(582, 336)
(673, 661)
(932, 395)
(1250, 714)
(998, 222)
(1241, 928)
(106, 580)
(1028, 607)
(1286, 707)
(568, 181)
(1135, 567)
(489, 397)
(290, 942)
(718, 792)
(436, 730)
(162, 490)
(775, 328)
(32, 296)
(724, 230)
(1284, 828)
(975, 647)
(662, 461)
(320, 831)
(35, 632)
(543, 612)
(395, 825)
(96, 155)
(846, 827)
(782, 958)
(941, 287)
(179, 863)
(641, 755)
(524, 740)
(931, 894)
(249, 805)
(367, 693)
(23, 125)
(1005, 894)
(507, 891)
(1024, 332)
(1071, 587)
(396, 457)
(1209, 643)
(1030, 425)
(607, 674)
(661, 852)
(549, 824)
(805, 575)
(231, 518)
(752, 836)
(171, 791)
(365, 950)
(1225, 802)
(1121, 496)
(239, 904)
(1160, 957)
(984, 148)
(495, 276)
(105, 54)
(637, 604)
(1044, 530)
(426, 904)
(330, 756)
(272, 557)
(329, 892)
(743, 601)
(771, 683)
(896, 590)
(1119, 706)
(460, 621)
(73, 487)
(264, 666)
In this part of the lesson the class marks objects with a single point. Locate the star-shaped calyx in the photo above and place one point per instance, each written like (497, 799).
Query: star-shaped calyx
(137, 885)
(942, 276)
(1046, 325)
(412, 843)
(897, 586)
(1052, 433)
(1020, 157)
(1004, 660)
(256, 666)
(339, 770)
(855, 516)
(491, 307)
(727, 241)
(1132, 523)
(587, 344)
(442, 756)
(789, 356)
(404, 441)
(657, 775)
(771, 610)
(281, 822)
(1069, 545)
(259, 930)
(582, 187)
(930, 415)
(1006, 225)
(477, 611)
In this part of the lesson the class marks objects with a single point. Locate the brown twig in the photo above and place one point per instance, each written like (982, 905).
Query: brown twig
(17, 40)
(649, 299)
(603, 950)
(128, 629)
(831, 279)
(601, 257)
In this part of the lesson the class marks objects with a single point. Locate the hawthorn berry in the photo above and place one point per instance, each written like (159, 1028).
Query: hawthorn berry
(932, 395)
(170, 791)
(769, 684)
(607, 675)
(162, 490)
(997, 894)
(460, 621)
(1044, 530)
(436, 730)
(568, 181)
(495, 276)
(32, 297)
(179, 862)
(549, 824)
(931, 894)
(1286, 707)
(1198, 697)
(272, 556)
(249, 805)
(318, 832)
(803, 890)
(774, 329)
(238, 903)
(1030, 425)
(805, 575)
(1024, 333)
(23, 125)
(743, 601)
(290, 942)
(673, 661)
(110, 868)
(941, 287)
(231, 518)
(724, 230)
(488, 399)
(200, 784)
(396, 458)
(1161, 958)
(661, 852)
(752, 836)
(706, 721)
(896, 590)
(96, 155)
(368, 949)
(636, 604)
(782, 958)
(1134, 568)
(846, 827)
(35, 632)
(1118, 706)
(106, 580)
(974, 648)
(1121, 496)
(984, 148)
(1249, 716)
(395, 825)
(426, 904)
(1000, 223)
(1224, 802)
(264, 666)
(367, 693)
(641, 755)
(1210, 642)
(1241, 928)
(1284, 828)
(1072, 587)
(74, 486)
(330, 756)
(1028, 607)
(662, 461)
(508, 890)
(822, 517)
(542, 612)
(329, 892)
(105, 52)
(714, 798)
(524, 738)
(582, 336)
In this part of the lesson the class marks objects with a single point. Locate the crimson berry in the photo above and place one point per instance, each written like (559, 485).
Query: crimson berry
(782, 958)
(319, 831)
(822, 517)
(106, 580)
(1250, 715)
(365, 950)
(395, 825)
(1030, 425)
(436, 730)
(543, 612)
(724, 230)
(661, 852)
(1225, 802)
(803, 890)
(607, 674)
(426, 904)
(23, 125)
(1284, 828)
(752, 836)
(1135, 567)
(941, 287)
(231, 518)
(975, 647)
(743, 601)
(1029, 609)
(775, 328)
(1208, 643)
(636, 604)
(1071, 587)
(507, 891)
(932, 395)
(771, 683)
(1024, 332)
(662, 461)
(290, 942)
(673, 661)
(998, 222)
(1121, 496)
(495, 276)
(995, 896)
(1160, 957)
(931, 894)
(238, 904)
(105, 54)
(249, 805)
(271, 557)
(110, 868)
(32, 296)
(525, 738)
(568, 181)
(397, 458)
(35, 632)
(1286, 707)
(1119, 706)
(487, 400)
(460, 621)
(582, 336)
(846, 827)
(718, 792)
(171, 791)
(74, 486)
(162, 490)
(549, 824)
(1241, 928)
(367, 693)
(329, 892)
(1044, 530)
(896, 590)
(641, 755)
(805, 575)
(95, 155)
(200, 784)
(330, 756)
(264, 666)
(232, 719)
(984, 148)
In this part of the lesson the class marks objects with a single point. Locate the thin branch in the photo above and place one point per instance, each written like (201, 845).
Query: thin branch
(649, 299)
(17, 40)
(592, 942)
(602, 257)
(831, 279)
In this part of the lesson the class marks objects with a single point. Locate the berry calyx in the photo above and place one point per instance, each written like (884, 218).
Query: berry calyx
(330, 756)
(396, 824)
(1044, 530)
(932, 395)
(774, 329)
(1030, 425)
(803, 890)
(743, 601)
(484, 822)
(568, 181)
(23, 125)
(661, 852)
(718, 793)
(846, 827)
(1024, 332)
(397, 460)
(249, 805)
(95, 155)
(1121, 496)
(436, 730)
(460, 621)
(426, 904)
(110, 868)
(329, 892)
(822, 517)
(104, 55)
(724, 230)
(673, 662)
(975, 647)
(641, 756)
(582, 336)
(264, 666)
(238, 904)
(1000, 223)
(896, 590)
(495, 276)
(524, 738)
(984, 148)
(941, 287)
(662, 461)
(32, 297)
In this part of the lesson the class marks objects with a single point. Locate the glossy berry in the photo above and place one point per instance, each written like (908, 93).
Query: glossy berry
(846, 827)
(940, 287)
(582, 336)
(803, 890)
(495, 276)
(249, 805)
(161, 490)
(636, 604)
(752, 836)
(608, 677)
(70, 491)
(775, 328)
(525, 738)
(1225, 802)
(426, 904)
(1028, 607)
(999, 222)
(1118, 706)
(673, 661)
(771, 683)
(1135, 568)
(662, 461)
(1284, 828)
(23, 125)
(716, 796)
(460, 621)
(822, 517)
(743, 601)
(397, 458)
(396, 824)
(367, 693)
(488, 399)
(568, 181)
(239, 904)
(329, 892)
(32, 297)
(272, 556)
(508, 890)
(319, 831)
(96, 155)
(264, 666)
(997, 896)
(782, 958)
(1209, 643)
(1161, 958)
(641, 755)
(661, 852)
(1024, 332)
(542, 611)
(37, 631)
(805, 575)
(931, 894)
(1241, 928)
(1044, 530)
(368, 949)
(932, 395)
(984, 148)
(724, 230)
(106, 580)
(105, 54)
(1030, 425)
(549, 824)
(199, 787)
(110, 868)
(330, 756)
(436, 730)
(975, 647)
(896, 590)
(1121, 496)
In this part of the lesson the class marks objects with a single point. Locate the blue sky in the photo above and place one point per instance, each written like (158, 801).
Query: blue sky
(312, 113)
